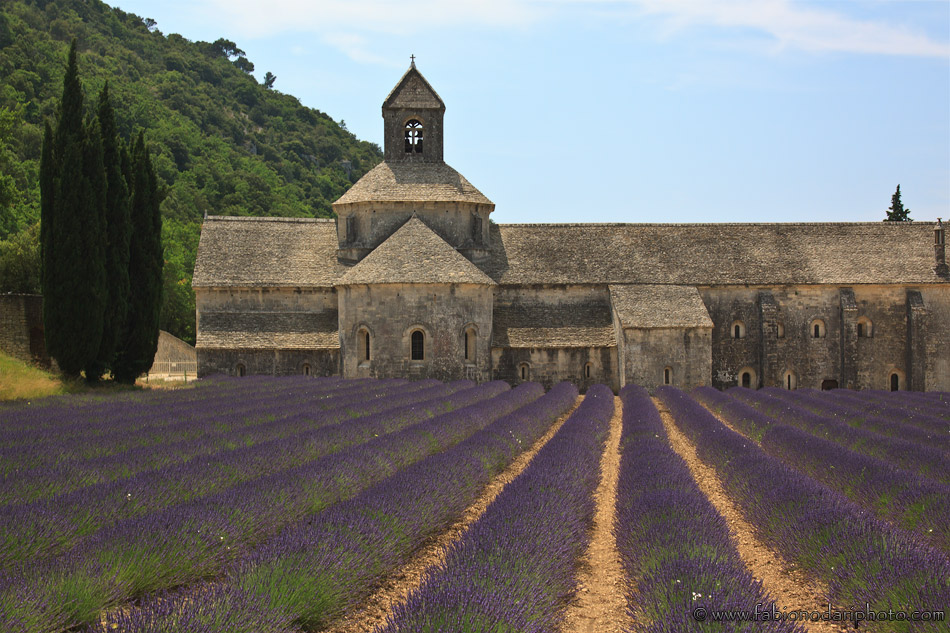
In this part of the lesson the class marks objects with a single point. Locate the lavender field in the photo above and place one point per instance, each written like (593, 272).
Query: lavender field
(259, 505)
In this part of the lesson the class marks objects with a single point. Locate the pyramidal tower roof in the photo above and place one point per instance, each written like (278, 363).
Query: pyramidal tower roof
(415, 255)
(413, 92)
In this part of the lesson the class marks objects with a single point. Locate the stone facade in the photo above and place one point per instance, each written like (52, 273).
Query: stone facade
(21, 328)
(413, 279)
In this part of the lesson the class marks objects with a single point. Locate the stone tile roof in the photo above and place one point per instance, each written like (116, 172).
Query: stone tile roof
(713, 254)
(651, 306)
(412, 182)
(268, 330)
(415, 254)
(275, 252)
(538, 325)
(270, 252)
(413, 92)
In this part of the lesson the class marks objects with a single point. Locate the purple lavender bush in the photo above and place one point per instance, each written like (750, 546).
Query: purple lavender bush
(861, 558)
(327, 563)
(191, 541)
(738, 407)
(676, 548)
(515, 568)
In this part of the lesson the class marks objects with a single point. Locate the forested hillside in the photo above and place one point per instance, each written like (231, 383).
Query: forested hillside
(221, 142)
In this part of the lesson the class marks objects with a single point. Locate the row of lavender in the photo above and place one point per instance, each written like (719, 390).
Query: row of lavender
(892, 440)
(131, 426)
(862, 560)
(515, 568)
(285, 421)
(679, 558)
(890, 419)
(327, 562)
(88, 415)
(181, 542)
(34, 530)
(907, 498)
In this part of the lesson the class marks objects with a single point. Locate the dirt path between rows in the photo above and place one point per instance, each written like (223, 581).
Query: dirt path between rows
(600, 605)
(398, 587)
(790, 588)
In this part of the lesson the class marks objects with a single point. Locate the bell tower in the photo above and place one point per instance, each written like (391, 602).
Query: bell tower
(412, 120)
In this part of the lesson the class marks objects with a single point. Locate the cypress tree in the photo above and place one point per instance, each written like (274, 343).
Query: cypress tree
(146, 258)
(95, 242)
(73, 271)
(897, 212)
(117, 234)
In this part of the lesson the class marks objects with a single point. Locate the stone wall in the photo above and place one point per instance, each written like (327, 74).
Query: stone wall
(221, 306)
(21, 327)
(937, 364)
(685, 352)
(899, 335)
(265, 299)
(582, 366)
(391, 312)
(363, 226)
(273, 362)
(394, 130)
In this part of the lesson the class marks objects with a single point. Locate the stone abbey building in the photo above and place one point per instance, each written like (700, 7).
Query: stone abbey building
(413, 279)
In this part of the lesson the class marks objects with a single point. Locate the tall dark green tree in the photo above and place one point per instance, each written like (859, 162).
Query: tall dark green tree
(72, 192)
(117, 234)
(897, 212)
(146, 258)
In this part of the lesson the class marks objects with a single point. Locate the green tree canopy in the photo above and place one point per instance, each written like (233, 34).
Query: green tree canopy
(897, 212)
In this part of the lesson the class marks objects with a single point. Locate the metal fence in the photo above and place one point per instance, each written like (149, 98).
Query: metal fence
(174, 369)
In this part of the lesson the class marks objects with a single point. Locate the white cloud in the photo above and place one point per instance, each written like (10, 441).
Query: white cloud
(792, 26)
(408, 17)
(809, 29)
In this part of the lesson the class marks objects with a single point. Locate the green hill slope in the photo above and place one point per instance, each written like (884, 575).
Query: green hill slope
(221, 142)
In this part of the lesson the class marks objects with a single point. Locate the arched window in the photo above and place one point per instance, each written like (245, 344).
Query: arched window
(413, 136)
(240, 369)
(668, 376)
(790, 381)
(306, 369)
(364, 347)
(895, 381)
(817, 329)
(738, 329)
(418, 345)
(587, 370)
(524, 371)
(864, 328)
(469, 339)
(747, 378)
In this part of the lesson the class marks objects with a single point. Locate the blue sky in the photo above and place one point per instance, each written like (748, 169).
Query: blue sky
(633, 110)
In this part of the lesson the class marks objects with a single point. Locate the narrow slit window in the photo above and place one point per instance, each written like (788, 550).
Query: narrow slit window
(467, 357)
(738, 332)
(366, 343)
(306, 369)
(667, 376)
(241, 370)
(817, 331)
(895, 382)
